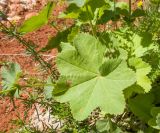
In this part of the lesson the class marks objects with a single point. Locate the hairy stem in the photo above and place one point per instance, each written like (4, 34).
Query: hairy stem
(90, 21)
(130, 7)
(45, 65)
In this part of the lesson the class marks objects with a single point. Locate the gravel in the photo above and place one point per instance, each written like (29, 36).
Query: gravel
(41, 120)
(3, 2)
(15, 8)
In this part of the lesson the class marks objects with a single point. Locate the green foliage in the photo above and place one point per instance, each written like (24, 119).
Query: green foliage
(79, 3)
(106, 125)
(91, 77)
(155, 121)
(48, 88)
(10, 77)
(155, 1)
(114, 69)
(36, 22)
(54, 42)
(142, 69)
(141, 106)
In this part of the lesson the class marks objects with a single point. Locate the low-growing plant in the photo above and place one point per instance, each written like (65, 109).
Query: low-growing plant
(108, 64)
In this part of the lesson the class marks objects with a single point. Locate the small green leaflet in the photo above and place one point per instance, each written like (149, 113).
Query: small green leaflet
(36, 22)
(10, 77)
(48, 88)
(103, 125)
(107, 126)
(94, 82)
(155, 121)
(142, 70)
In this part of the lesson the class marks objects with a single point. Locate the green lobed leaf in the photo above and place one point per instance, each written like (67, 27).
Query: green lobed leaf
(72, 12)
(10, 77)
(142, 43)
(155, 121)
(36, 22)
(61, 86)
(142, 70)
(48, 88)
(66, 46)
(84, 11)
(75, 30)
(138, 45)
(94, 4)
(107, 12)
(132, 90)
(155, 1)
(107, 126)
(122, 5)
(107, 16)
(138, 13)
(141, 106)
(55, 41)
(94, 83)
(103, 125)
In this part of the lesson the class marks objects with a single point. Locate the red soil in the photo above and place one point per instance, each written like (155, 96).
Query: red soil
(8, 114)
(11, 46)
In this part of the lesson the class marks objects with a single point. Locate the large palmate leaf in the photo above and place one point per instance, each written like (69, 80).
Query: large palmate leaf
(36, 22)
(142, 70)
(94, 82)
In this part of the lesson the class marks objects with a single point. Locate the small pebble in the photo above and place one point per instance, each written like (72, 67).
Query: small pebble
(29, 15)
(15, 18)
(16, 8)
(3, 2)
